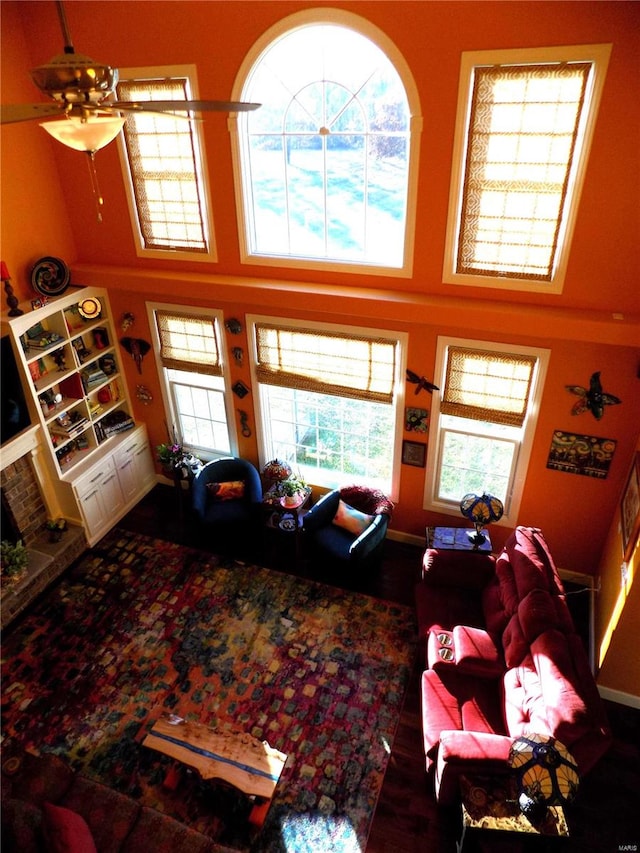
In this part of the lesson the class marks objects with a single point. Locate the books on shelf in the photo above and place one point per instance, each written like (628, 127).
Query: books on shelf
(92, 376)
(113, 423)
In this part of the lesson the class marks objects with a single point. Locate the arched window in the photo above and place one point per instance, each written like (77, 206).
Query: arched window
(326, 168)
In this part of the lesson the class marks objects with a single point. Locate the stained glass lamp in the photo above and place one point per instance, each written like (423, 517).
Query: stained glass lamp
(546, 772)
(481, 510)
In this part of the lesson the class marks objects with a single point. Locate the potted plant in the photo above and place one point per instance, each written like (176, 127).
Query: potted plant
(56, 527)
(293, 489)
(13, 561)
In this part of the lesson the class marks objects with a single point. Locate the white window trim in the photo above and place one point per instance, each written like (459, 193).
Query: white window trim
(399, 384)
(512, 507)
(188, 71)
(167, 401)
(596, 53)
(365, 28)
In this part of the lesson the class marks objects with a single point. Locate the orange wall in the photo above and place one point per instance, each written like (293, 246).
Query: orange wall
(47, 208)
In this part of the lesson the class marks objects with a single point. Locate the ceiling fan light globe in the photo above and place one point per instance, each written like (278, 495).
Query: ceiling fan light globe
(85, 134)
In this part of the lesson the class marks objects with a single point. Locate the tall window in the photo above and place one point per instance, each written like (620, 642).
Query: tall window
(167, 178)
(524, 128)
(188, 347)
(327, 166)
(330, 400)
(482, 422)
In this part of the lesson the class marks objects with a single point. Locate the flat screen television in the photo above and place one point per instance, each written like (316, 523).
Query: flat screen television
(13, 406)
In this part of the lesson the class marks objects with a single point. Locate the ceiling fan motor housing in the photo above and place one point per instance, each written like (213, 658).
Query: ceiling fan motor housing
(75, 78)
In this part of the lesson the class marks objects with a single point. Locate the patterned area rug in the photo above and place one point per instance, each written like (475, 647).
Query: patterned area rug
(142, 627)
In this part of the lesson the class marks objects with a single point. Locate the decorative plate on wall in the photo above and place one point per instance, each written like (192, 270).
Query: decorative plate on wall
(50, 276)
(90, 308)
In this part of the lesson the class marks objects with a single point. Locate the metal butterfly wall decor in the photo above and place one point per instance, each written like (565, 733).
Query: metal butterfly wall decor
(593, 399)
(420, 382)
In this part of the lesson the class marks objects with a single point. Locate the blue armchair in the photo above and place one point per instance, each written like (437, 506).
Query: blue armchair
(339, 537)
(231, 522)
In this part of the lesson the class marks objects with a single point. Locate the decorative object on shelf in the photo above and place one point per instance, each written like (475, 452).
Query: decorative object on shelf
(581, 454)
(546, 772)
(137, 349)
(127, 320)
(593, 399)
(40, 302)
(276, 471)
(245, 429)
(12, 299)
(238, 355)
(415, 420)
(90, 309)
(240, 389)
(14, 559)
(177, 462)
(143, 394)
(56, 527)
(234, 326)
(50, 276)
(481, 510)
(414, 453)
(421, 383)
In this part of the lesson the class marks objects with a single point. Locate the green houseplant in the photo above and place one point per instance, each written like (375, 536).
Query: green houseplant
(13, 560)
(56, 527)
(293, 489)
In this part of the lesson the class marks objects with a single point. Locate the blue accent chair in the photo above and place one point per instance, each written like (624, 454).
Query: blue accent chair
(333, 546)
(231, 526)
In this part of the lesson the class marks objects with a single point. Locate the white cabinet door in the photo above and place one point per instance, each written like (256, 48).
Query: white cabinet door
(100, 498)
(134, 465)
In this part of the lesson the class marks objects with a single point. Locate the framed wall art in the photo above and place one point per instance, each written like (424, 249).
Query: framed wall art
(581, 454)
(414, 453)
(415, 420)
(630, 509)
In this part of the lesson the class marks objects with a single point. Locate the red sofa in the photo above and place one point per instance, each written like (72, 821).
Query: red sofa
(502, 659)
(113, 822)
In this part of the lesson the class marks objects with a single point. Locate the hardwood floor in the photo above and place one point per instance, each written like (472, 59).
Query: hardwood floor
(606, 815)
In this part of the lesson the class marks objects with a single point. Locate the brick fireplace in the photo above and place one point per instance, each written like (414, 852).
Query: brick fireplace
(23, 480)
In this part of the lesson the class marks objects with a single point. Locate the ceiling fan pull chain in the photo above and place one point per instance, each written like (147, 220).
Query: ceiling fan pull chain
(95, 186)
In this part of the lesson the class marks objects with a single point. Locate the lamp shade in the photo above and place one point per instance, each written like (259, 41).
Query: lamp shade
(481, 510)
(276, 471)
(85, 134)
(546, 771)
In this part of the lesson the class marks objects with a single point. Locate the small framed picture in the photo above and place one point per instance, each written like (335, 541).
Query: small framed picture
(415, 420)
(630, 509)
(414, 453)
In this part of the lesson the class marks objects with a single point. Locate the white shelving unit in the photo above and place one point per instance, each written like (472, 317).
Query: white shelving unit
(71, 371)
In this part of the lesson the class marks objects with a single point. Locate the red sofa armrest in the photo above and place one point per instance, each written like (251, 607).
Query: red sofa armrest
(468, 752)
(457, 568)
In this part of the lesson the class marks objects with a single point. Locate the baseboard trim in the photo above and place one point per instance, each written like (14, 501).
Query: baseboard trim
(407, 538)
(619, 697)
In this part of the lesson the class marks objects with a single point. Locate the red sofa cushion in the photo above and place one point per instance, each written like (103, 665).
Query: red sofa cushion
(66, 831)
(475, 652)
(565, 708)
(524, 705)
(538, 611)
(440, 710)
(109, 814)
(514, 645)
(457, 568)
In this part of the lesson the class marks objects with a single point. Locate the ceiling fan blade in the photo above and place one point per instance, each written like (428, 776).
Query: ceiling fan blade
(25, 112)
(182, 106)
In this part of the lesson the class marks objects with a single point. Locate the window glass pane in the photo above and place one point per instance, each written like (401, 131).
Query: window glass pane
(325, 159)
(199, 406)
(330, 440)
(474, 463)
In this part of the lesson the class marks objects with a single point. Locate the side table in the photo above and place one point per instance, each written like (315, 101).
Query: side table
(457, 539)
(492, 820)
(285, 521)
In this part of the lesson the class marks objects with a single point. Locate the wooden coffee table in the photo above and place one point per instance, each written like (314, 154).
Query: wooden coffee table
(238, 758)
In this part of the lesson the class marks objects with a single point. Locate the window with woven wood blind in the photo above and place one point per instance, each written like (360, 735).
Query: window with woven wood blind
(330, 400)
(482, 422)
(525, 121)
(193, 381)
(166, 171)
(487, 386)
(188, 342)
(363, 368)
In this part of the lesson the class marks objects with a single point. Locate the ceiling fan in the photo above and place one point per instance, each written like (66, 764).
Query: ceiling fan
(82, 98)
